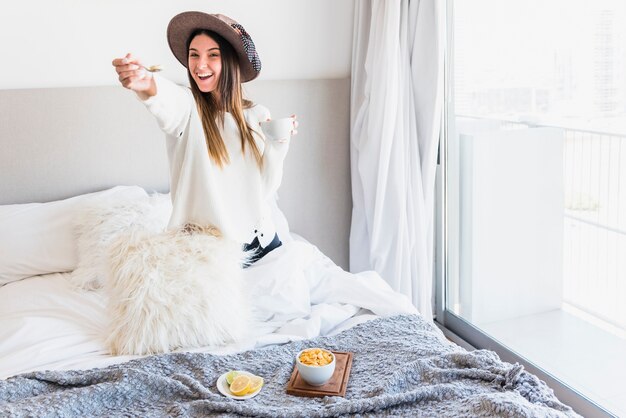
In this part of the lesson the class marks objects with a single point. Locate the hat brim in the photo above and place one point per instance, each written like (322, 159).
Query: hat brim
(184, 24)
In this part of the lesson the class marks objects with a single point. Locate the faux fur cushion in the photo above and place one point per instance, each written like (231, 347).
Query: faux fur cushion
(174, 289)
(97, 225)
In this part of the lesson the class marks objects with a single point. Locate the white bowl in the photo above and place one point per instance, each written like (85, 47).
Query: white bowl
(316, 375)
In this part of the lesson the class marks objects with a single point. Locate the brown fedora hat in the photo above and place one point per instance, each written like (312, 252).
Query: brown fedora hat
(184, 24)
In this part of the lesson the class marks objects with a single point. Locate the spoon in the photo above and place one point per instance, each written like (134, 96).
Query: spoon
(153, 68)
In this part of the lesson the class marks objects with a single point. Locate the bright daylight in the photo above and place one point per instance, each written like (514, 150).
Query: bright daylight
(539, 192)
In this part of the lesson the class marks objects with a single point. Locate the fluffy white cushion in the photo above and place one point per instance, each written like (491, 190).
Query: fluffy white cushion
(38, 238)
(98, 224)
(174, 289)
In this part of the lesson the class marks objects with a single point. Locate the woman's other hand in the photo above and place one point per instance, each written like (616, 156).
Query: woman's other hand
(292, 132)
(133, 76)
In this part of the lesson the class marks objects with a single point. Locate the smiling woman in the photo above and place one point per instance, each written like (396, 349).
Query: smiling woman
(214, 73)
(205, 61)
(224, 172)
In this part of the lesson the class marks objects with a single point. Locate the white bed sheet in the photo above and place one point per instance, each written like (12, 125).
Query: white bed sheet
(297, 293)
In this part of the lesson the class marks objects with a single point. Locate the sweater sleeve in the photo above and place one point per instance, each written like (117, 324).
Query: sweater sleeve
(274, 154)
(171, 106)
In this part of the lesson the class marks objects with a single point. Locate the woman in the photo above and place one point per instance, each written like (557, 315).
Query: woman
(222, 170)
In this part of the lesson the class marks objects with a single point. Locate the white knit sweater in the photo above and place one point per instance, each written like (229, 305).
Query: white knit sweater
(234, 198)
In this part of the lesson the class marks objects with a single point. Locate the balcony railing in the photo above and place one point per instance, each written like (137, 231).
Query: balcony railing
(595, 224)
(594, 241)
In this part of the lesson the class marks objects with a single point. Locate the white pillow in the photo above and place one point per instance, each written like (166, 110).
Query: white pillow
(38, 238)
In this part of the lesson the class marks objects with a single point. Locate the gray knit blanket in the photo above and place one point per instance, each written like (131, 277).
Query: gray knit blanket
(402, 367)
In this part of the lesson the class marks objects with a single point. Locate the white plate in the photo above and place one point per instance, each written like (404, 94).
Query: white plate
(223, 387)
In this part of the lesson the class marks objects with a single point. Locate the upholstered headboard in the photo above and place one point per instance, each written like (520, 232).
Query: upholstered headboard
(61, 142)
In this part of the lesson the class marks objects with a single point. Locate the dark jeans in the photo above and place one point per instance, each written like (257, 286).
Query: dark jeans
(256, 252)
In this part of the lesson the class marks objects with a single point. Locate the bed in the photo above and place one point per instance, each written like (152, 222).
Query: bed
(98, 147)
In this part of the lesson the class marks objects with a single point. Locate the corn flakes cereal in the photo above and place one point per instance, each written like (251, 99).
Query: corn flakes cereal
(316, 357)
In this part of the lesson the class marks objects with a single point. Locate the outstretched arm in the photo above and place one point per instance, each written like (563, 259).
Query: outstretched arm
(169, 103)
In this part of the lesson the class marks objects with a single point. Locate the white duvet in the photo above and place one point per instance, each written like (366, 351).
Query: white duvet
(45, 324)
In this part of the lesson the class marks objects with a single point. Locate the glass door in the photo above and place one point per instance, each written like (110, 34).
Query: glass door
(535, 189)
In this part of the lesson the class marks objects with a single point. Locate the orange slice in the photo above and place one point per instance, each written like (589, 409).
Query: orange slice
(256, 383)
(240, 385)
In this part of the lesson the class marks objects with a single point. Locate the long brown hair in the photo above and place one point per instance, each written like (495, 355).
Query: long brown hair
(212, 109)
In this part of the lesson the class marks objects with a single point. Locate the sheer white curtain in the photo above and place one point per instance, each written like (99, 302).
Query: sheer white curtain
(397, 93)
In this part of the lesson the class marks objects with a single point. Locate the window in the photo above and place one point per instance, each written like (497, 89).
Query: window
(535, 187)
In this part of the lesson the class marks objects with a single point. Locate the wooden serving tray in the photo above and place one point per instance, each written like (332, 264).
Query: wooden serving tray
(336, 386)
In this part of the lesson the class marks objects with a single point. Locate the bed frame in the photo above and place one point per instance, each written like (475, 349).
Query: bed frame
(61, 142)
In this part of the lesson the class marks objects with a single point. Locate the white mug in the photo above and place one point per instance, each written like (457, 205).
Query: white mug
(278, 129)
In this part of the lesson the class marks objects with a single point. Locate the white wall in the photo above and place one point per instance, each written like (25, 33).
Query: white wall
(72, 42)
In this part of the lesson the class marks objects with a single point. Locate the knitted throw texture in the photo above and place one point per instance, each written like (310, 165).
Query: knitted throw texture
(402, 367)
